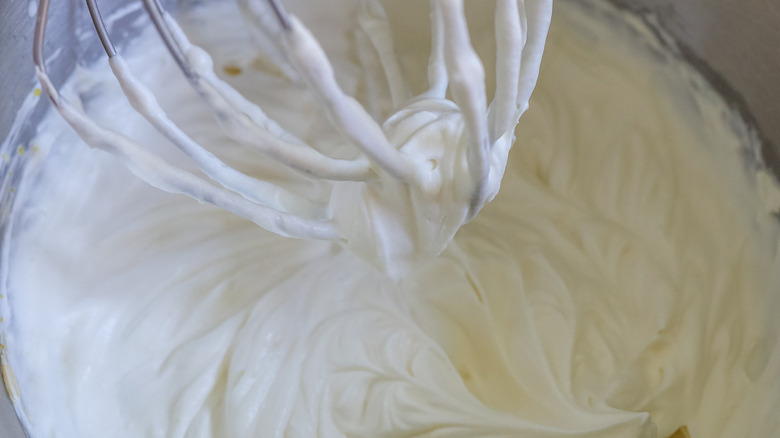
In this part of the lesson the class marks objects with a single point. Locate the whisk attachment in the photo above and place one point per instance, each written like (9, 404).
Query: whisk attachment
(436, 187)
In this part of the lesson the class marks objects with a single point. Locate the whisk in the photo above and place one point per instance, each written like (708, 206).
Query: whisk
(439, 188)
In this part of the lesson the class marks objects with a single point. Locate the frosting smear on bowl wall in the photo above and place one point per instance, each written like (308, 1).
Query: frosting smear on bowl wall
(624, 282)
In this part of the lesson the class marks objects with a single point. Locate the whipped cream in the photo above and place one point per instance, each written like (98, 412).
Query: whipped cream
(622, 284)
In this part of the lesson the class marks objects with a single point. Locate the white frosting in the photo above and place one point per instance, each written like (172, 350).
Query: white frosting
(621, 285)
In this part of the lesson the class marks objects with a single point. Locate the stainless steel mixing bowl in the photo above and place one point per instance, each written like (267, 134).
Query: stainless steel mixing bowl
(736, 43)
(64, 50)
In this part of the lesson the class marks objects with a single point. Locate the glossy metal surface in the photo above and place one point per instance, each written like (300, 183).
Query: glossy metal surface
(64, 50)
(734, 41)
(737, 44)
